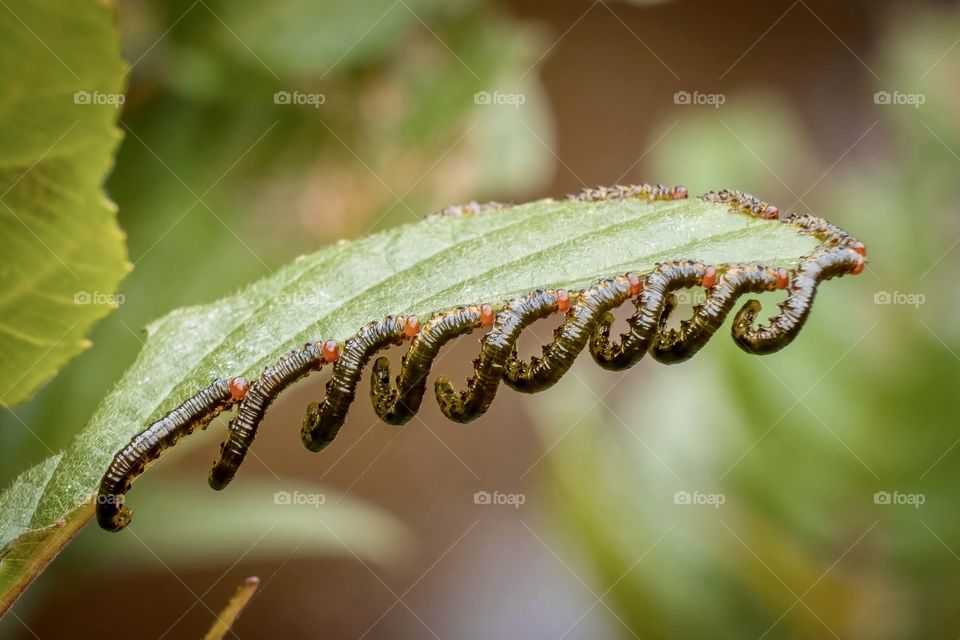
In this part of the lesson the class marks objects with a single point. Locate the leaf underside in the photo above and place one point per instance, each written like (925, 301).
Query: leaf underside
(63, 254)
(419, 268)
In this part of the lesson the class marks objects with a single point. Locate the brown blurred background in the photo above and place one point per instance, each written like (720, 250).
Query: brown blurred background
(785, 557)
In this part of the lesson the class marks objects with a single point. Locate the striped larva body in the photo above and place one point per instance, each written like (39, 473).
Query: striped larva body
(150, 444)
(324, 419)
(587, 324)
(497, 347)
(265, 389)
(398, 405)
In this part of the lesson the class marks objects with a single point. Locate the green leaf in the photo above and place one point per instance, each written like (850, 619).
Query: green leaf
(22, 497)
(417, 268)
(63, 254)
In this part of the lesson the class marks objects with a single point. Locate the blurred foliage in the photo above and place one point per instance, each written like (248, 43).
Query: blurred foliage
(217, 184)
(799, 442)
(261, 518)
(63, 254)
(256, 521)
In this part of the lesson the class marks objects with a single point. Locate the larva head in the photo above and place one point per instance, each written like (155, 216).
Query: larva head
(331, 351)
(486, 315)
(108, 516)
(563, 300)
(636, 286)
(411, 326)
(238, 388)
(860, 264)
(709, 277)
(783, 279)
(770, 212)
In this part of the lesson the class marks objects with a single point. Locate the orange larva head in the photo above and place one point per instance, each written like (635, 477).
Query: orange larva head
(486, 315)
(636, 287)
(238, 388)
(770, 212)
(860, 248)
(563, 299)
(709, 277)
(331, 351)
(680, 193)
(783, 279)
(859, 266)
(411, 326)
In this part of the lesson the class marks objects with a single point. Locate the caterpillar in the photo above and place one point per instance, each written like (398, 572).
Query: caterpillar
(148, 446)
(587, 324)
(258, 397)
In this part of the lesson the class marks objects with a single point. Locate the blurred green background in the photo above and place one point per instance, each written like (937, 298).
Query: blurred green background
(732, 496)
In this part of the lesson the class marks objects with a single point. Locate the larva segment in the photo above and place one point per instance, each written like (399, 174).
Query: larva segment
(398, 405)
(147, 446)
(324, 419)
(652, 304)
(464, 210)
(647, 192)
(744, 203)
(569, 339)
(264, 390)
(498, 345)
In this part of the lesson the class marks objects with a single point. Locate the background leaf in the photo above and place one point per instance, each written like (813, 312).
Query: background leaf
(416, 268)
(63, 252)
(260, 519)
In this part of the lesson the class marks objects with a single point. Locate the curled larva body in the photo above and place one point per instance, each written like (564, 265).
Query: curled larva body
(587, 320)
(398, 405)
(149, 445)
(324, 419)
(498, 346)
(653, 303)
(264, 390)
(677, 345)
(782, 329)
(569, 339)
